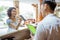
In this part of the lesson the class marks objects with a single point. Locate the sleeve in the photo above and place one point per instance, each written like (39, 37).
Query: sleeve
(8, 21)
(40, 33)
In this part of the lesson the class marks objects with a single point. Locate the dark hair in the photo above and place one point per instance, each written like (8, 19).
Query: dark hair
(9, 11)
(51, 4)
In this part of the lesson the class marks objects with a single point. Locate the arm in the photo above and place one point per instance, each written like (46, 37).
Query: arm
(12, 25)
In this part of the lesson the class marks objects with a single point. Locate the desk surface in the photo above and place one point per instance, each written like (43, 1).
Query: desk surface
(5, 31)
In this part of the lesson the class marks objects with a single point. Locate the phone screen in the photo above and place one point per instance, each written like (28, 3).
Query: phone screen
(22, 17)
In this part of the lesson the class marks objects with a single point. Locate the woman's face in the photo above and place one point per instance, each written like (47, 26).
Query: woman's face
(13, 12)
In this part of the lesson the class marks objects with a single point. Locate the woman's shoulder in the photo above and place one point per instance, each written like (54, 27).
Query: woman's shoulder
(8, 20)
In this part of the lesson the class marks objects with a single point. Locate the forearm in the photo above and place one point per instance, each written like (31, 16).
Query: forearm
(17, 26)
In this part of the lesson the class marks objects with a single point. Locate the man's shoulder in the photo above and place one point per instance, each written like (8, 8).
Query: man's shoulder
(50, 19)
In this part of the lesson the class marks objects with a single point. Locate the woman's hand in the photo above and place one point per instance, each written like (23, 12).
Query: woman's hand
(27, 22)
(18, 17)
(19, 20)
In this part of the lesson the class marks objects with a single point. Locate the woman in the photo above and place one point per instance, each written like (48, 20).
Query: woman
(13, 21)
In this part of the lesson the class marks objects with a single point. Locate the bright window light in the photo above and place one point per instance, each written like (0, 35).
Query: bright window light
(27, 10)
(4, 5)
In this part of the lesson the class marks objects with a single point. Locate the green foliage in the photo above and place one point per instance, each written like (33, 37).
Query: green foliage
(2, 8)
(3, 12)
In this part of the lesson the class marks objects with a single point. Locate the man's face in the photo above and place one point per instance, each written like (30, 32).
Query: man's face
(44, 9)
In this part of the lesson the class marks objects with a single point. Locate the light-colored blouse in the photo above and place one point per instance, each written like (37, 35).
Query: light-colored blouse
(48, 28)
(10, 21)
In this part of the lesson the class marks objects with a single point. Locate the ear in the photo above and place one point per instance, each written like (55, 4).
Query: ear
(46, 5)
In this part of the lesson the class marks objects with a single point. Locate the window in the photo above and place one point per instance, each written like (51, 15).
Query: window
(27, 10)
(4, 5)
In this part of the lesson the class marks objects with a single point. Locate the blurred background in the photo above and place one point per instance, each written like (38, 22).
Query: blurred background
(29, 9)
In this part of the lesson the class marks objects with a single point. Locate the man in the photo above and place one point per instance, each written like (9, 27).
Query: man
(41, 16)
(49, 27)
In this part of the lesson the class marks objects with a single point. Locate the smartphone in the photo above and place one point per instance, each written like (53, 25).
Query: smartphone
(22, 17)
